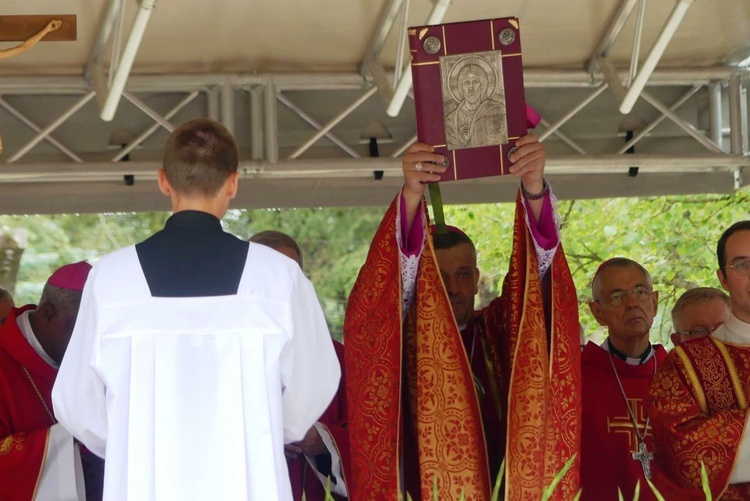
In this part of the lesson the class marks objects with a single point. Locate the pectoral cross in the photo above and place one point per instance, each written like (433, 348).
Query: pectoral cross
(645, 457)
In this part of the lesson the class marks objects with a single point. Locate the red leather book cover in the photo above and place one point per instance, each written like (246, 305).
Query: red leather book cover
(468, 93)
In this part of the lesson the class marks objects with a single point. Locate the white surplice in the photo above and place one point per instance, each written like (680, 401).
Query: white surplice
(193, 398)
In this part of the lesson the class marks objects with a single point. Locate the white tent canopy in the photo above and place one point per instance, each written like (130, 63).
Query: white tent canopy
(306, 85)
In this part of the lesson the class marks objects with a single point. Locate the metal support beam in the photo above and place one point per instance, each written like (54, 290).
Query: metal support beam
(385, 24)
(271, 120)
(715, 118)
(212, 104)
(256, 123)
(403, 40)
(635, 55)
(533, 78)
(332, 123)
(149, 111)
(666, 34)
(107, 22)
(401, 89)
(148, 132)
(51, 127)
(401, 149)
(744, 119)
(564, 138)
(316, 125)
(31, 125)
(682, 124)
(227, 106)
(570, 114)
(611, 34)
(735, 116)
(362, 167)
(121, 73)
(646, 130)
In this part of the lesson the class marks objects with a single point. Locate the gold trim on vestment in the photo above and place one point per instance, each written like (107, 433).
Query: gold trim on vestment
(41, 466)
(733, 375)
(693, 377)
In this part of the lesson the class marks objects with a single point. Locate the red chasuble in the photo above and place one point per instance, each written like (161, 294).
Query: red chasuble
(414, 413)
(609, 438)
(24, 423)
(302, 478)
(699, 407)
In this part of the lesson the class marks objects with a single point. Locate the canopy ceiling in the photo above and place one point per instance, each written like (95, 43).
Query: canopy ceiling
(269, 68)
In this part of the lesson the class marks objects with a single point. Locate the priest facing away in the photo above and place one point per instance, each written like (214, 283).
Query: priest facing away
(196, 355)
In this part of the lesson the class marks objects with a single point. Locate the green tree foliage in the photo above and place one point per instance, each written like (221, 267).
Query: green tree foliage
(673, 237)
(61, 239)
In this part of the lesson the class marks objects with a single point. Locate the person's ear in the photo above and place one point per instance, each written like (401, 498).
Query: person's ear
(476, 280)
(164, 185)
(722, 276)
(47, 311)
(655, 299)
(232, 184)
(596, 310)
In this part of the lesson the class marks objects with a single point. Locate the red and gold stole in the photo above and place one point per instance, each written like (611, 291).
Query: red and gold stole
(544, 390)
(710, 371)
(441, 412)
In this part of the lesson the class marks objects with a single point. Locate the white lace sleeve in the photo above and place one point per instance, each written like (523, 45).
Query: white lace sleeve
(409, 265)
(544, 257)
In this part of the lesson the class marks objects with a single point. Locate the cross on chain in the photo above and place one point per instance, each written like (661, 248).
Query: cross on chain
(645, 457)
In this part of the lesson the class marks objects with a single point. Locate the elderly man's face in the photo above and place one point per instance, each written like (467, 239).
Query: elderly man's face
(699, 320)
(626, 304)
(471, 87)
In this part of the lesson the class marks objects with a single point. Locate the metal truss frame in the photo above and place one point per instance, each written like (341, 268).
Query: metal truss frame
(266, 91)
(224, 96)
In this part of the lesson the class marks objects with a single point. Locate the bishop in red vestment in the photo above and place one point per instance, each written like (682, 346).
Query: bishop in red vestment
(38, 458)
(415, 387)
(617, 448)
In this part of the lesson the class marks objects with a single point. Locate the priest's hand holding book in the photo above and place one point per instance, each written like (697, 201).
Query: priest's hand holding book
(422, 166)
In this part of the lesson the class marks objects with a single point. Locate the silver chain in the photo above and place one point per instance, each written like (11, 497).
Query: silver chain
(641, 438)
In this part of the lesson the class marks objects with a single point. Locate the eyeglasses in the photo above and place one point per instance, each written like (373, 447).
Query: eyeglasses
(741, 269)
(698, 332)
(641, 294)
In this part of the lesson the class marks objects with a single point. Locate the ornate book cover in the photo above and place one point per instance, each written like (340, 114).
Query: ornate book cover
(468, 93)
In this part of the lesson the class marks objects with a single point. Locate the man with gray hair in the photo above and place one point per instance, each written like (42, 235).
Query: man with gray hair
(698, 312)
(615, 379)
(38, 458)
